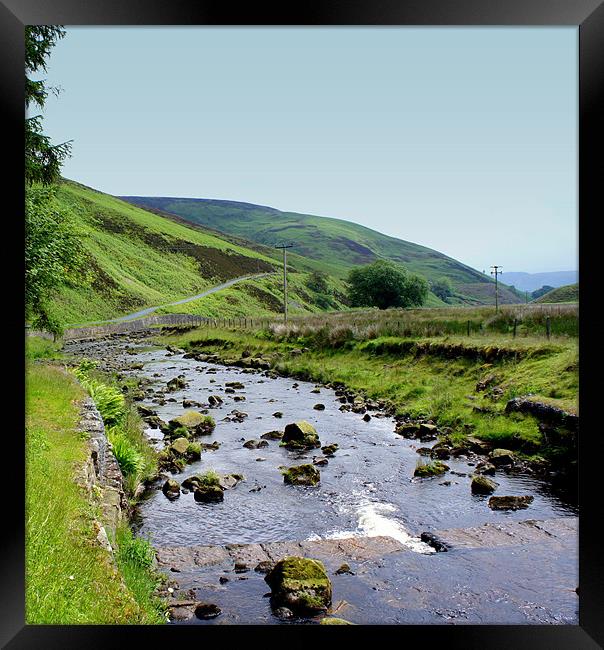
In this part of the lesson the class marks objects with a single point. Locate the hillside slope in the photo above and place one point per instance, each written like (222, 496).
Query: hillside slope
(568, 293)
(337, 244)
(138, 259)
(532, 281)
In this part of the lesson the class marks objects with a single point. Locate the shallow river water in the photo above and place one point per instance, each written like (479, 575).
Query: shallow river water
(366, 489)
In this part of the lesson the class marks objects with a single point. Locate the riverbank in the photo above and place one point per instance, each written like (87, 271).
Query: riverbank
(517, 394)
(75, 574)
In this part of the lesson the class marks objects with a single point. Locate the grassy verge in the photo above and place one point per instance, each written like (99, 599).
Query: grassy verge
(70, 579)
(461, 384)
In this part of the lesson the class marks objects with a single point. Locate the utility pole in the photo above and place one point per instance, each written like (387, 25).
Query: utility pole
(496, 272)
(284, 247)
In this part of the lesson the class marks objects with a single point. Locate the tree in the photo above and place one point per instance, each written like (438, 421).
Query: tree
(42, 159)
(442, 288)
(54, 254)
(317, 282)
(384, 284)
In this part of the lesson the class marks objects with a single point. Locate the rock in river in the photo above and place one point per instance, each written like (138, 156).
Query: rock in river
(171, 489)
(194, 422)
(501, 457)
(208, 493)
(300, 435)
(300, 584)
(510, 503)
(301, 475)
(482, 485)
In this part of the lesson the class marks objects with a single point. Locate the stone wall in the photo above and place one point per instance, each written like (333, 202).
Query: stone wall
(100, 475)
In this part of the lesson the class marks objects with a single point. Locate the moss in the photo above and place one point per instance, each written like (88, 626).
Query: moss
(431, 469)
(301, 475)
(300, 583)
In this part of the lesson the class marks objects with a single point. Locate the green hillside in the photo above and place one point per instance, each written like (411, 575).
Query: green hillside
(568, 293)
(336, 244)
(138, 259)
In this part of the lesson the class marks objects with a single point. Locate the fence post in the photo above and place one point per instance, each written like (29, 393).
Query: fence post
(548, 327)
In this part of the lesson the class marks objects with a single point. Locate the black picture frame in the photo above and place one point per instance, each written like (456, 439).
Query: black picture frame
(588, 17)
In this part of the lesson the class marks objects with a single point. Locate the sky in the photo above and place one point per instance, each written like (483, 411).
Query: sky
(464, 140)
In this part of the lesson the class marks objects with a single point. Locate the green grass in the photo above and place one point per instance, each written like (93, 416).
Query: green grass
(567, 293)
(432, 378)
(37, 347)
(334, 245)
(69, 578)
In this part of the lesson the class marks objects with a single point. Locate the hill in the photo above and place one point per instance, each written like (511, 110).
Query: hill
(531, 281)
(337, 245)
(138, 259)
(568, 293)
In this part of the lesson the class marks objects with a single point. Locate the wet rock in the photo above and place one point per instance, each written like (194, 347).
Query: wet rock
(332, 620)
(189, 403)
(177, 383)
(367, 417)
(330, 450)
(510, 503)
(214, 400)
(207, 610)
(424, 451)
(180, 445)
(234, 384)
(239, 398)
(344, 569)
(241, 567)
(208, 493)
(300, 435)
(300, 584)
(320, 460)
(434, 468)
(407, 429)
(171, 489)
(301, 475)
(427, 431)
(432, 540)
(229, 481)
(316, 390)
(482, 485)
(264, 567)
(485, 468)
(194, 422)
(277, 414)
(255, 444)
(319, 407)
(500, 457)
(145, 411)
(283, 613)
(272, 435)
(229, 390)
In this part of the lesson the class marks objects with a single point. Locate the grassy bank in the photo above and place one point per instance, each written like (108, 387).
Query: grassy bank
(70, 578)
(462, 384)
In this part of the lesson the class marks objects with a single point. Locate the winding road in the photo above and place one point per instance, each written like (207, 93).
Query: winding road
(150, 310)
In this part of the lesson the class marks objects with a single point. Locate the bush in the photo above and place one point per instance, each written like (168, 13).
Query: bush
(128, 457)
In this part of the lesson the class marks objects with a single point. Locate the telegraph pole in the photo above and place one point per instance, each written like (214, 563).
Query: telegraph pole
(284, 247)
(496, 272)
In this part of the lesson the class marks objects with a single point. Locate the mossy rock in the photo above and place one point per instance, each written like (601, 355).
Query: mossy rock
(510, 503)
(272, 435)
(301, 475)
(208, 493)
(482, 485)
(332, 620)
(502, 457)
(300, 584)
(431, 469)
(194, 422)
(330, 450)
(171, 489)
(300, 435)
(180, 446)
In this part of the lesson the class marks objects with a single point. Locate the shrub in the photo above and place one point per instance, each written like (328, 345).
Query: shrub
(128, 457)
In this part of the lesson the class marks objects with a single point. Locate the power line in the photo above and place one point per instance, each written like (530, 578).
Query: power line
(284, 247)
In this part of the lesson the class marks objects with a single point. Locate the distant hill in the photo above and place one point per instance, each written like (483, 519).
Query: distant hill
(138, 259)
(532, 281)
(568, 293)
(337, 245)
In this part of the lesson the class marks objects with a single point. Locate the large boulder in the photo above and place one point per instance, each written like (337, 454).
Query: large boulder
(180, 446)
(300, 435)
(301, 475)
(300, 584)
(208, 493)
(482, 485)
(194, 422)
